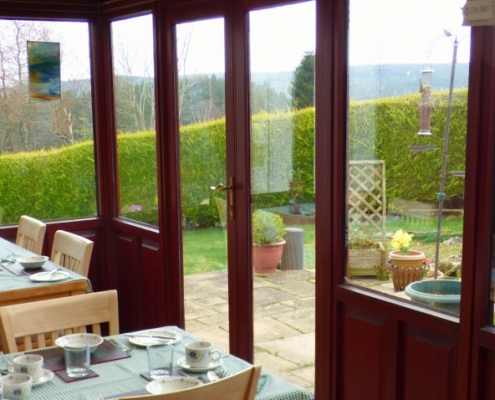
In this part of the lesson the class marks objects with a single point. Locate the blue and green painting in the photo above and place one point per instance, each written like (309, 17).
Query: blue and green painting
(44, 71)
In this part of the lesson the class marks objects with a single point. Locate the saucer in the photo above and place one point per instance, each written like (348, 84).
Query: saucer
(46, 377)
(212, 365)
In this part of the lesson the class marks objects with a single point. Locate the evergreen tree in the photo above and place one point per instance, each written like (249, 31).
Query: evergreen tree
(303, 84)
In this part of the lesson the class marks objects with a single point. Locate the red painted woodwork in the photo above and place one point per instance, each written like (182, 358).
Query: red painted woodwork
(368, 346)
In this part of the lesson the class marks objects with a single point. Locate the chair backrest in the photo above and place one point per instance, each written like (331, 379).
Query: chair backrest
(30, 234)
(72, 251)
(241, 386)
(29, 326)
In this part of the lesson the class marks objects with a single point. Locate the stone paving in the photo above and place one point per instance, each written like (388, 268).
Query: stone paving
(284, 312)
(284, 319)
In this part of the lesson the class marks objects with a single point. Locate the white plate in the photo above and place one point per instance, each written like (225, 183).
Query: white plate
(212, 365)
(172, 384)
(46, 377)
(45, 277)
(144, 341)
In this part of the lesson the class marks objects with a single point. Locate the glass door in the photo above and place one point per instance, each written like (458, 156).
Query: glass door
(282, 59)
(201, 97)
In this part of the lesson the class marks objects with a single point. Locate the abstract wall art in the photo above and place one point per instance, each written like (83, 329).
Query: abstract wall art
(44, 71)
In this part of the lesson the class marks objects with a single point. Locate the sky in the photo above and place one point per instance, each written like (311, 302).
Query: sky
(400, 31)
(381, 32)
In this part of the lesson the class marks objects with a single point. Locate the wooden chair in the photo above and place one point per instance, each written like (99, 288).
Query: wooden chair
(72, 252)
(241, 386)
(30, 234)
(29, 326)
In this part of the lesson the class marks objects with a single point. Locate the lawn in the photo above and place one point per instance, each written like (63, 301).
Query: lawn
(205, 249)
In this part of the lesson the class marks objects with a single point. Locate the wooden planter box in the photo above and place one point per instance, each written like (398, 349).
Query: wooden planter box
(367, 262)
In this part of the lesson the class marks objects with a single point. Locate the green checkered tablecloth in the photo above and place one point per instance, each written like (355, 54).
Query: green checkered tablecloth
(124, 377)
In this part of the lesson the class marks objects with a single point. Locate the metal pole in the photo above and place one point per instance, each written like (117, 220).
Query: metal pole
(441, 194)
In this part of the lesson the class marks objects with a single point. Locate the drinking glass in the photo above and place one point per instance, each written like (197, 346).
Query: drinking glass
(160, 360)
(77, 359)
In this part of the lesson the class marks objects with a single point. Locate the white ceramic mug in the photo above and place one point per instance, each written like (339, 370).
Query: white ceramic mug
(30, 364)
(201, 354)
(16, 386)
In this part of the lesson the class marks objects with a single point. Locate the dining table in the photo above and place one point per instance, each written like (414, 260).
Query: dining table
(19, 285)
(119, 368)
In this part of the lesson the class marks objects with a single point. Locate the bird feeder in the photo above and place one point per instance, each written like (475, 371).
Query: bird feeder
(425, 105)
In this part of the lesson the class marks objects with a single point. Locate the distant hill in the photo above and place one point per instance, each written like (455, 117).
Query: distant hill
(389, 80)
(376, 81)
(366, 81)
(278, 81)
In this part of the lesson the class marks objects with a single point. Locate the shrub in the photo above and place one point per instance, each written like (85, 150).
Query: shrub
(267, 227)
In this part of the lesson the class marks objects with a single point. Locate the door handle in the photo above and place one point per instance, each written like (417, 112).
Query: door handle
(230, 194)
(220, 186)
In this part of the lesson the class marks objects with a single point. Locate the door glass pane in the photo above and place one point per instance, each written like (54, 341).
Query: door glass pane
(47, 164)
(201, 97)
(132, 50)
(282, 172)
(408, 84)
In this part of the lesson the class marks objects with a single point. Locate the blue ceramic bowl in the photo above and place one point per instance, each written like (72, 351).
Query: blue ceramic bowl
(440, 293)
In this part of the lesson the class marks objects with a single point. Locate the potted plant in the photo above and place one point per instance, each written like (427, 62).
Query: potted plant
(268, 241)
(406, 265)
(366, 256)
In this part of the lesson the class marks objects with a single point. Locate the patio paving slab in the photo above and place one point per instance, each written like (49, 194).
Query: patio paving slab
(283, 325)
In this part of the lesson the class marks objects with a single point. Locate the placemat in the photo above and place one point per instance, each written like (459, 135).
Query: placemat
(18, 270)
(53, 358)
(62, 374)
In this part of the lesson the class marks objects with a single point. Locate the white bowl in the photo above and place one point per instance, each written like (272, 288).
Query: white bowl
(93, 340)
(172, 384)
(32, 262)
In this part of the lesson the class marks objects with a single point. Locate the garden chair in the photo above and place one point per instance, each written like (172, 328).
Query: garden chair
(72, 252)
(30, 234)
(241, 386)
(28, 326)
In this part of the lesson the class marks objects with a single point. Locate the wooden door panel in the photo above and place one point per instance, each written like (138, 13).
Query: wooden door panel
(427, 364)
(486, 388)
(153, 284)
(128, 281)
(385, 353)
(362, 347)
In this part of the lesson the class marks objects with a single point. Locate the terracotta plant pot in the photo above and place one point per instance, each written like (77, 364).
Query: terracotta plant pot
(406, 268)
(267, 257)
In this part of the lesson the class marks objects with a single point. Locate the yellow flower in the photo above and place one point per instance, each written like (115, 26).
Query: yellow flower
(401, 240)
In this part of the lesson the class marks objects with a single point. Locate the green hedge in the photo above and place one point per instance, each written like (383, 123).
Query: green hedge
(385, 129)
(53, 184)
(60, 183)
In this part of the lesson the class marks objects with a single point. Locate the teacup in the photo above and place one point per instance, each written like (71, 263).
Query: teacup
(201, 354)
(30, 364)
(16, 386)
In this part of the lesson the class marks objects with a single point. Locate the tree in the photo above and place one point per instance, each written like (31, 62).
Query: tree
(303, 84)
(28, 126)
